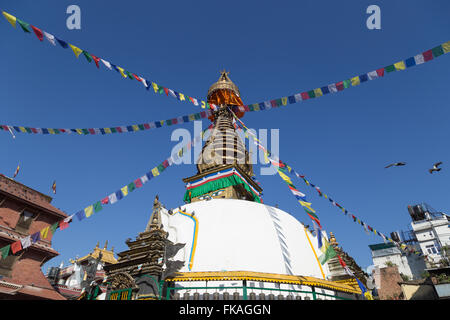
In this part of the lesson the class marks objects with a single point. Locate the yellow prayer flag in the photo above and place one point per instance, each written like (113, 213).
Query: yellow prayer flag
(79, 131)
(11, 19)
(325, 196)
(44, 233)
(266, 159)
(89, 211)
(318, 92)
(203, 105)
(22, 129)
(76, 50)
(191, 117)
(121, 70)
(107, 130)
(135, 127)
(155, 172)
(256, 107)
(181, 97)
(284, 177)
(400, 65)
(355, 81)
(446, 47)
(284, 101)
(124, 190)
(51, 131)
(155, 87)
(307, 205)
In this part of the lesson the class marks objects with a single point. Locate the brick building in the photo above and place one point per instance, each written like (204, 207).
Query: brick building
(23, 212)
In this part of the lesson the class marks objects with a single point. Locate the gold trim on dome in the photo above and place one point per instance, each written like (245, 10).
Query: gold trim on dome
(265, 277)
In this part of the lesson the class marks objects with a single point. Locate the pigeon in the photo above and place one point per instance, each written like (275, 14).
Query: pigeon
(397, 164)
(435, 167)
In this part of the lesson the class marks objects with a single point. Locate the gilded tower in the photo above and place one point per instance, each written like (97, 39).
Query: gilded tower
(224, 169)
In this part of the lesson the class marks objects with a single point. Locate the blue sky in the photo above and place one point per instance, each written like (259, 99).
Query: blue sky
(341, 142)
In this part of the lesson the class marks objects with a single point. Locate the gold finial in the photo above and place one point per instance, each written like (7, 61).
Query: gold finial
(333, 241)
(106, 245)
(98, 243)
(112, 249)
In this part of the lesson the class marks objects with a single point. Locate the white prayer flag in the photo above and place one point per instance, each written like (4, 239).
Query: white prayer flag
(372, 75)
(332, 88)
(419, 59)
(112, 198)
(26, 242)
(50, 38)
(107, 64)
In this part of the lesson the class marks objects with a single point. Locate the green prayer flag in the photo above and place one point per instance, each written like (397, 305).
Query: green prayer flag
(88, 56)
(329, 253)
(131, 186)
(197, 116)
(390, 68)
(161, 89)
(97, 206)
(24, 25)
(311, 94)
(141, 126)
(437, 51)
(5, 251)
(85, 131)
(161, 168)
(347, 83)
(169, 122)
(54, 227)
(129, 75)
(113, 130)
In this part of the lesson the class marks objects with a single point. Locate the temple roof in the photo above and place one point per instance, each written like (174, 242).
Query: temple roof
(107, 255)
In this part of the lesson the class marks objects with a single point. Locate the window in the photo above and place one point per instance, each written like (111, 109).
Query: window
(6, 264)
(26, 217)
(431, 249)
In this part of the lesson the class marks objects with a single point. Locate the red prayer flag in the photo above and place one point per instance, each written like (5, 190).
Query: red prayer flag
(146, 126)
(16, 246)
(427, 55)
(341, 261)
(91, 130)
(339, 86)
(137, 78)
(138, 183)
(167, 91)
(246, 108)
(96, 60)
(38, 33)
(380, 72)
(63, 225)
(105, 200)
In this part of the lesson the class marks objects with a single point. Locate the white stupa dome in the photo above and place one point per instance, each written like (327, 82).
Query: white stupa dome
(239, 235)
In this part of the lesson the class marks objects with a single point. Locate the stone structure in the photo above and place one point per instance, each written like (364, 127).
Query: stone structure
(337, 272)
(147, 263)
(25, 211)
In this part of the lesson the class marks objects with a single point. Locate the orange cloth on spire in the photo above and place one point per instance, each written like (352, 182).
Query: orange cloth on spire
(224, 96)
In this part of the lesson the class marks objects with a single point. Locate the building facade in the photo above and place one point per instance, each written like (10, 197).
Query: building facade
(23, 212)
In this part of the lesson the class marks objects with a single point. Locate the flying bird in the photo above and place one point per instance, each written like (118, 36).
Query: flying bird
(435, 167)
(396, 164)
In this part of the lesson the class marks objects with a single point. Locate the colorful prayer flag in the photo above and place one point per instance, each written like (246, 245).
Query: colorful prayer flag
(77, 51)
(38, 33)
(11, 19)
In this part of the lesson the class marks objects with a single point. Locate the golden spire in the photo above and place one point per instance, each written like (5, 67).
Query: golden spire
(106, 245)
(333, 241)
(224, 82)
